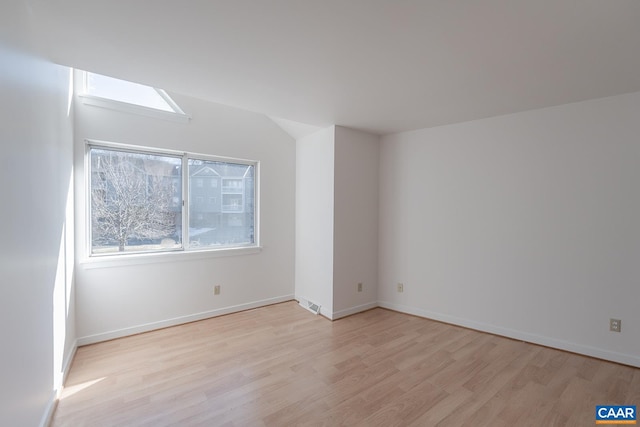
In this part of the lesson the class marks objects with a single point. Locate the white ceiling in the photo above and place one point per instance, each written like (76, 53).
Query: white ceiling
(380, 66)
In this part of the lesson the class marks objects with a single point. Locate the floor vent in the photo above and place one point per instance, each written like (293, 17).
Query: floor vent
(311, 306)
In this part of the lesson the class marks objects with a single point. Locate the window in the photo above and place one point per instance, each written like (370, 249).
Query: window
(216, 227)
(122, 95)
(136, 201)
(133, 201)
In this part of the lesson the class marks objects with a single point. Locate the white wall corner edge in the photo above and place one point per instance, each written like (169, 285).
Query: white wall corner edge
(66, 365)
(50, 409)
(354, 310)
(326, 313)
(599, 353)
(119, 333)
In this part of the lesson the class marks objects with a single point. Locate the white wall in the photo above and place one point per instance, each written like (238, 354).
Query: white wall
(314, 218)
(36, 302)
(118, 300)
(337, 220)
(355, 233)
(525, 225)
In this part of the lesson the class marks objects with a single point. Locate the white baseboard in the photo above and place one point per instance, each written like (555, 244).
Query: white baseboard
(353, 310)
(66, 365)
(91, 339)
(55, 394)
(50, 409)
(326, 313)
(599, 353)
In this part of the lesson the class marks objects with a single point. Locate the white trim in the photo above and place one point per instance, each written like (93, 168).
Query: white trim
(91, 339)
(52, 404)
(121, 146)
(86, 200)
(353, 310)
(66, 365)
(164, 95)
(132, 148)
(214, 158)
(326, 313)
(257, 204)
(125, 107)
(132, 258)
(627, 359)
(49, 410)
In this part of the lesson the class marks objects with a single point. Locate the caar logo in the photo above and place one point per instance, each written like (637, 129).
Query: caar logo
(606, 414)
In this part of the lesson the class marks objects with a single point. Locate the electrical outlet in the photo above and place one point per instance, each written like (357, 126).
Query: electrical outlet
(359, 287)
(216, 290)
(615, 325)
(400, 287)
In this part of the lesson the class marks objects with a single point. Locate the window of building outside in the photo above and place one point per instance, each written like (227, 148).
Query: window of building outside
(152, 201)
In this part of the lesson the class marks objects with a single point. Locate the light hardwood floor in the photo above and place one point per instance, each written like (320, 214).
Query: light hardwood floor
(282, 366)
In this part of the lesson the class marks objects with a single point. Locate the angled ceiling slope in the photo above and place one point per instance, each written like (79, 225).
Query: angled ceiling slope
(296, 130)
(381, 66)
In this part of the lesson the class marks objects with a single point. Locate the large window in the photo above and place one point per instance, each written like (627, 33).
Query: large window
(151, 201)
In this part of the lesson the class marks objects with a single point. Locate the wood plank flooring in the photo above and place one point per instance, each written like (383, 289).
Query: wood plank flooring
(282, 366)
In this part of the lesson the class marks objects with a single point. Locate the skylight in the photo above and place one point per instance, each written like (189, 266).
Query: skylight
(128, 92)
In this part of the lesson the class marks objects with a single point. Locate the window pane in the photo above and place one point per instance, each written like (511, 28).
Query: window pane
(136, 201)
(227, 216)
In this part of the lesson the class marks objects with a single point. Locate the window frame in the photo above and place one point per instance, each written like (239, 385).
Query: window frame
(187, 250)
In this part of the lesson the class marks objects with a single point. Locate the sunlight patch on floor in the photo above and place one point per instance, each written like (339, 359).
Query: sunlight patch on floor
(71, 390)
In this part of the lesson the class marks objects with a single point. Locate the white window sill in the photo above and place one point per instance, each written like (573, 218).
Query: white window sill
(125, 107)
(108, 261)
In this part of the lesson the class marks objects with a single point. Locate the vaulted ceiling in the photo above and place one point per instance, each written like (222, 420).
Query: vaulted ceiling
(378, 65)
